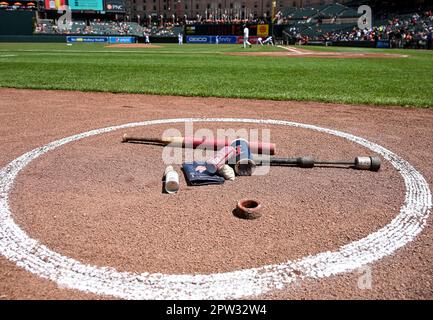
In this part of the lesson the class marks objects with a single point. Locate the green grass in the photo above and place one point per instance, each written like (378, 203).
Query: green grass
(205, 70)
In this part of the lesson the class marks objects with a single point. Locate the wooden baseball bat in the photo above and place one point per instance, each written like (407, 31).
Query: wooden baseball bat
(192, 142)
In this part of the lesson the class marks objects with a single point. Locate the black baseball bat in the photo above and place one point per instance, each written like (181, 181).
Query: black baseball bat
(361, 163)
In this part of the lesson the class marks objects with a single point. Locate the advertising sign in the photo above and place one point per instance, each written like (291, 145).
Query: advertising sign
(198, 39)
(114, 6)
(262, 30)
(75, 39)
(225, 39)
(121, 39)
(385, 44)
(82, 5)
(54, 4)
(252, 40)
(212, 39)
(190, 29)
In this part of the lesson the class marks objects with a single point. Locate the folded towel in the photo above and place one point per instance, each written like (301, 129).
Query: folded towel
(197, 175)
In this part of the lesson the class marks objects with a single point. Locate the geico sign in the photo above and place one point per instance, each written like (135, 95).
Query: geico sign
(198, 39)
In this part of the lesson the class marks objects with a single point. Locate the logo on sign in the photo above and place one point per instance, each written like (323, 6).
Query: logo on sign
(198, 39)
(115, 7)
(227, 39)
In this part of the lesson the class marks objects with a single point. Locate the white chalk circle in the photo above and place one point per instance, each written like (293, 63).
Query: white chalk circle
(33, 256)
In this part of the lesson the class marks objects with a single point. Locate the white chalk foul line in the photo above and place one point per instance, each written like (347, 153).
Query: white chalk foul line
(293, 50)
(33, 256)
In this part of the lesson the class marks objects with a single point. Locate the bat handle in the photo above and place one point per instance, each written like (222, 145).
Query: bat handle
(288, 161)
(303, 162)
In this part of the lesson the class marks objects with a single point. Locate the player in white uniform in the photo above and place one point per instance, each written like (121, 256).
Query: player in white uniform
(269, 41)
(180, 38)
(246, 35)
(217, 39)
(260, 40)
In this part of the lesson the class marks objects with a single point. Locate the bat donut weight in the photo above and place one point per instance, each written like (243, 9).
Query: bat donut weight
(248, 209)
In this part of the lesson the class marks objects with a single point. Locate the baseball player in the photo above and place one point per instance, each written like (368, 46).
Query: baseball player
(246, 35)
(269, 41)
(217, 39)
(180, 38)
(260, 41)
(146, 39)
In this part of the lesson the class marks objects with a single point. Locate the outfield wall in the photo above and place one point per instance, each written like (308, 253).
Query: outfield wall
(221, 39)
(190, 39)
(32, 38)
(352, 44)
(50, 38)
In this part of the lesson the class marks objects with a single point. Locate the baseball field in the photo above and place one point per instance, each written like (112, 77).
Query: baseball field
(84, 216)
(208, 71)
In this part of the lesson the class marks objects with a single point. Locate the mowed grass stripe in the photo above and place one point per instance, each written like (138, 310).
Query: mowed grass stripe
(202, 70)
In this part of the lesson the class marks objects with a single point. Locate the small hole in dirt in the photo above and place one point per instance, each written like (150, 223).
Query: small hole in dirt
(250, 204)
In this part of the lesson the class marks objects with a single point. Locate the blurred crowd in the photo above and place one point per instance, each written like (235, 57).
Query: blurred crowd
(101, 27)
(403, 31)
(94, 27)
(411, 31)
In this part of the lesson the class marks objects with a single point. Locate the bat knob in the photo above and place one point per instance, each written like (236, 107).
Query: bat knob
(367, 163)
(125, 138)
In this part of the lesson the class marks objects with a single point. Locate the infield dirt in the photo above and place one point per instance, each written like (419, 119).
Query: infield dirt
(295, 52)
(99, 201)
(133, 45)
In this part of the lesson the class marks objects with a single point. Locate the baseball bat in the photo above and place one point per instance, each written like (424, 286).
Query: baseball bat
(188, 142)
(360, 163)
